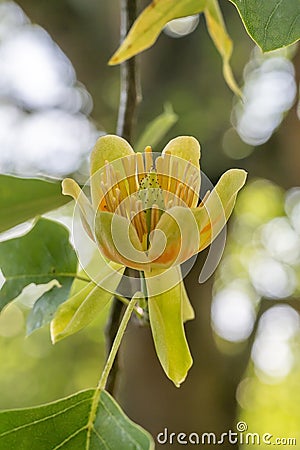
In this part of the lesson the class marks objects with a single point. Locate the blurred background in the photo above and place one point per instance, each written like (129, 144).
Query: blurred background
(57, 95)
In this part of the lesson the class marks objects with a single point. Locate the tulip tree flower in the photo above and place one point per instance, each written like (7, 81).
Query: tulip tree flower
(145, 213)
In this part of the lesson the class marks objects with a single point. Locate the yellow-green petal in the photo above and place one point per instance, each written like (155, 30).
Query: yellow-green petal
(177, 231)
(185, 151)
(118, 241)
(188, 312)
(85, 305)
(108, 148)
(185, 147)
(213, 215)
(70, 187)
(166, 313)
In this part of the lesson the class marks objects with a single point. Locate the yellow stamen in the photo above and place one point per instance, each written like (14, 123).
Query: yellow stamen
(154, 217)
(122, 185)
(129, 168)
(107, 196)
(178, 194)
(140, 167)
(148, 158)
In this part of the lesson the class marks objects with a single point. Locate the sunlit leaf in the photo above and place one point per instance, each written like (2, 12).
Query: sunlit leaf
(217, 30)
(82, 421)
(42, 255)
(24, 198)
(167, 311)
(151, 21)
(272, 24)
(84, 306)
(157, 129)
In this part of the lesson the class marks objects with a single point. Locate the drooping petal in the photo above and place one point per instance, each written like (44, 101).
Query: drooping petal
(107, 148)
(166, 313)
(118, 241)
(70, 187)
(188, 312)
(213, 215)
(84, 306)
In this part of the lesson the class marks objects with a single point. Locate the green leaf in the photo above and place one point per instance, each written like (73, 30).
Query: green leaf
(157, 129)
(150, 23)
(83, 307)
(89, 420)
(217, 30)
(24, 198)
(168, 308)
(152, 20)
(42, 255)
(271, 24)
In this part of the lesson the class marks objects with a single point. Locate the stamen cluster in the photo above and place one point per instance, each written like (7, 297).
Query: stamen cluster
(143, 187)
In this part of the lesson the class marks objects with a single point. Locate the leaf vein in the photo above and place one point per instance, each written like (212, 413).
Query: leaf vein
(41, 275)
(292, 26)
(69, 438)
(101, 439)
(119, 424)
(269, 20)
(21, 427)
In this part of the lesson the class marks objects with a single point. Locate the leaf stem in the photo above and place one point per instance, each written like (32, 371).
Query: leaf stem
(79, 277)
(117, 342)
(138, 311)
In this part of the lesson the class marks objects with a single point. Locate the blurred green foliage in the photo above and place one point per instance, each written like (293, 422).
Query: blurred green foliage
(34, 371)
(268, 394)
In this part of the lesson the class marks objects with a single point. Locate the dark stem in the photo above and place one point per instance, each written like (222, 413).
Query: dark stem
(113, 324)
(129, 98)
(130, 92)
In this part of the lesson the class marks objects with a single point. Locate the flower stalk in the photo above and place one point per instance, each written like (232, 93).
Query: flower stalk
(116, 343)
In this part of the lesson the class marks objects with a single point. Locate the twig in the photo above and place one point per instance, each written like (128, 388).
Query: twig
(130, 93)
(129, 98)
(111, 331)
(116, 343)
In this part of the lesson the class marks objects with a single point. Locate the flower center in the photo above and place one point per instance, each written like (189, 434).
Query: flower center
(140, 189)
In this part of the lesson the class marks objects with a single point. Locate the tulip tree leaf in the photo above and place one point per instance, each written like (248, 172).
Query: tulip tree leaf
(223, 43)
(157, 129)
(40, 256)
(152, 20)
(24, 198)
(84, 420)
(150, 23)
(271, 24)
